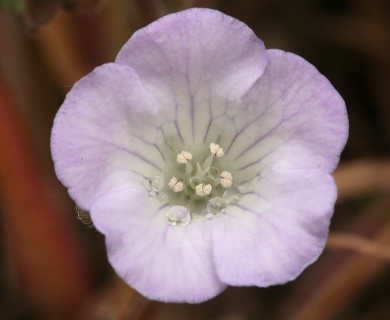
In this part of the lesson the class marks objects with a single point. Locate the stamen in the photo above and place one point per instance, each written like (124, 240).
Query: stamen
(226, 179)
(189, 168)
(207, 163)
(203, 189)
(175, 184)
(216, 150)
(183, 157)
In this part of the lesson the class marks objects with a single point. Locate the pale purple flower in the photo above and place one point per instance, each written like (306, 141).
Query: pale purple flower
(203, 158)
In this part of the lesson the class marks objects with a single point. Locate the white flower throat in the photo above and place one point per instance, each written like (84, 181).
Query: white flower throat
(195, 188)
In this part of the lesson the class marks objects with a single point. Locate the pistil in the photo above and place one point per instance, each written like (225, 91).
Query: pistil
(199, 188)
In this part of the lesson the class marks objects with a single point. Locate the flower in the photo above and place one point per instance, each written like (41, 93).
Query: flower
(203, 158)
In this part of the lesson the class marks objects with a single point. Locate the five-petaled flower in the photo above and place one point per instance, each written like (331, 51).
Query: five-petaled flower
(203, 158)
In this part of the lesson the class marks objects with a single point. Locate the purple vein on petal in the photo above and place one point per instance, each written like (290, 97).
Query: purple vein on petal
(114, 145)
(122, 169)
(257, 214)
(139, 174)
(174, 97)
(244, 208)
(165, 138)
(210, 113)
(252, 195)
(139, 156)
(154, 145)
(239, 132)
(192, 110)
(243, 182)
(263, 216)
(162, 207)
(213, 119)
(133, 153)
(218, 138)
(159, 150)
(187, 60)
(261, 158)
(178, 130)
(207, 131)
(259, 139)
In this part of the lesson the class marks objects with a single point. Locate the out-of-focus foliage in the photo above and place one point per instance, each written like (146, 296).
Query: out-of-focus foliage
(37, 12)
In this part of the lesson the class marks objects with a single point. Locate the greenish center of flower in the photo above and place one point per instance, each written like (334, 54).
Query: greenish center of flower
(203, 188)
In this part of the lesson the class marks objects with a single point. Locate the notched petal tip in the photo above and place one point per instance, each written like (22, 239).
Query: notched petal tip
(276, 236)
(297, 117)
(325, 109)
(184, 61)
(194, 50)
(161, 261)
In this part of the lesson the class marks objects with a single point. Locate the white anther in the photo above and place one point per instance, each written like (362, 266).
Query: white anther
(203, 189)
(176, 185)
(226, 179)
(216, 150)
(184, 157)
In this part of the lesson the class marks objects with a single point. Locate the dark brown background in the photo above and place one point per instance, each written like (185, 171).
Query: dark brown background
(54, 267)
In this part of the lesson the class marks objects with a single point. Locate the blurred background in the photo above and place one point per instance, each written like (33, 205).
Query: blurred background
(53, 263)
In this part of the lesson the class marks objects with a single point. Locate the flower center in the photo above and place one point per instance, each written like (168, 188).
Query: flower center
(203, 188)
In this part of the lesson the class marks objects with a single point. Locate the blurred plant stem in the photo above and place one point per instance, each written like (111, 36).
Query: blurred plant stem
(345, 282)
(362, 176)
(59, 46)
(341, 277)
(118, 22)
(120, 302)
(117, 301)
(349, 41)
(339, 240)
(42, 255)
